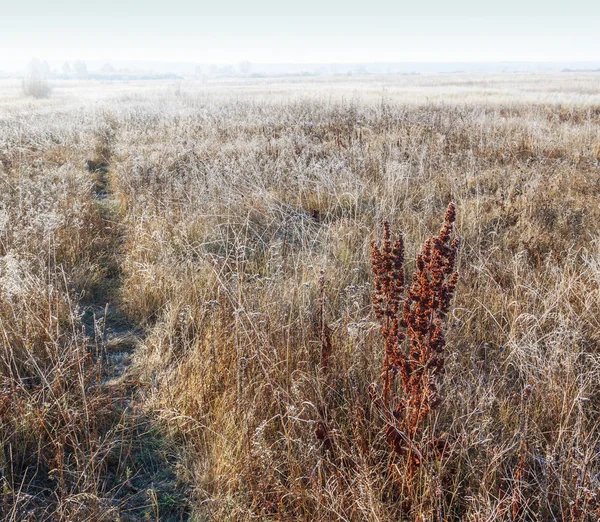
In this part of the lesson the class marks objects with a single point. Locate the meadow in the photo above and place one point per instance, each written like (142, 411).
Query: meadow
(188, 328)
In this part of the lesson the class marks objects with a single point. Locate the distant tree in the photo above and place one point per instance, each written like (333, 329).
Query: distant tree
(80, 69)
(245, 67)
(66, 69)
(107, 68)
(198, 71)
(35, 82)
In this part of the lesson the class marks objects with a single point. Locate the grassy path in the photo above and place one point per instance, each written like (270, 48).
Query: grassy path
(141, 476)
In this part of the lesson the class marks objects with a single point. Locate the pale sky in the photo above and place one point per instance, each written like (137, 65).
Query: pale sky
(301, 31)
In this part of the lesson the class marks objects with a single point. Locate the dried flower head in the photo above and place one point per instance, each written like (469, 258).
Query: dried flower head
(415, 315)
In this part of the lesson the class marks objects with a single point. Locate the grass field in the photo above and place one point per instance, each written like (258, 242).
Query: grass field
(187, 328)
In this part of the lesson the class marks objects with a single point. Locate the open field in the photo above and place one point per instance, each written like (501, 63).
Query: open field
(187, 329)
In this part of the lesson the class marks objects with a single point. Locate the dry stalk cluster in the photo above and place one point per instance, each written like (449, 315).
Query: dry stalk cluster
(412, 325)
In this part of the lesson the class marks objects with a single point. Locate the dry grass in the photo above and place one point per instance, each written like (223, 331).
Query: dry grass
(240, 240)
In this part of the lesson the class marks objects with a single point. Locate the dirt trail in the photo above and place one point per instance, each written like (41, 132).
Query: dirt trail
(141, 478)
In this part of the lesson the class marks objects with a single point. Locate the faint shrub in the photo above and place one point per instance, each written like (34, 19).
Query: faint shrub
(35, 82)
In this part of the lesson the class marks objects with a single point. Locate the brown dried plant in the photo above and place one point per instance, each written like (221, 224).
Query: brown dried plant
(324, 329)
(412, 325)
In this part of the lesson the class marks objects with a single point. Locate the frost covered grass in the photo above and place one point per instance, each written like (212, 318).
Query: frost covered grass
(244, 212)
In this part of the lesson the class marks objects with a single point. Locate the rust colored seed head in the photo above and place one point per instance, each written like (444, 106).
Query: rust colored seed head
(416, 313)
(388, 267)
